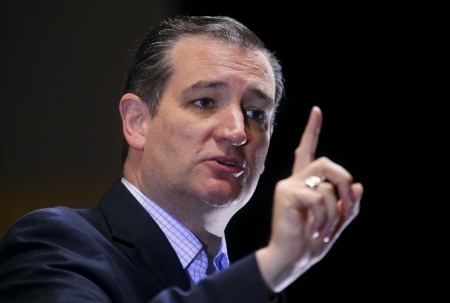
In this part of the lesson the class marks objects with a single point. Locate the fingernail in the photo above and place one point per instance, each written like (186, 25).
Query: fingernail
(350, 196)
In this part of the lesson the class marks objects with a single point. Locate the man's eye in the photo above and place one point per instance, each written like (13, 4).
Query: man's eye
(257, 115)
(203, 103)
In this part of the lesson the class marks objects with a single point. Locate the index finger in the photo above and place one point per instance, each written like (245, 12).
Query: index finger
(306, 150)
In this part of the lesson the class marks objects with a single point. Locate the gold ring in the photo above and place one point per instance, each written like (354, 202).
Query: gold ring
(313, 181)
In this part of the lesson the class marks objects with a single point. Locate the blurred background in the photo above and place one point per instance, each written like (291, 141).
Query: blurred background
(62, 71)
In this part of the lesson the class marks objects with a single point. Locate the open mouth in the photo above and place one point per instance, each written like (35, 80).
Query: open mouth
(231, 164)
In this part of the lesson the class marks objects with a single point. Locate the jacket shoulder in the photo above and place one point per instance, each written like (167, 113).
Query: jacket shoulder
(58, 243)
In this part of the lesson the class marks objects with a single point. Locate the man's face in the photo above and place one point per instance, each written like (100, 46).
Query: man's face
(209, 139)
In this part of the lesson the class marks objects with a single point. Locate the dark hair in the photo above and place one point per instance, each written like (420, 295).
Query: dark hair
(152, 65)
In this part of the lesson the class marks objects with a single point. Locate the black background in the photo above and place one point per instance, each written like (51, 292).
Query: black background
(63, 66)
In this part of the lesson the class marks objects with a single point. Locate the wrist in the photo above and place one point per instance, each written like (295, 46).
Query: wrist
(276, 272)
(270, 270)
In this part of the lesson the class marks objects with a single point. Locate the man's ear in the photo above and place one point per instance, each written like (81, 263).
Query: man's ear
(134, 113)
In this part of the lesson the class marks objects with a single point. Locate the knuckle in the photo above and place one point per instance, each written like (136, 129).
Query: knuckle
(319, 199)
(327, 186)
(283, 185)
(347, 177)
(324, 160)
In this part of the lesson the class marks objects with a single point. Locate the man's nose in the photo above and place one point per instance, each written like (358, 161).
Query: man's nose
(231, 126)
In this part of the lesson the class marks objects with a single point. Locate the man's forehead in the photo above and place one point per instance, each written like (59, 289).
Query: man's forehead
(205, 45)
(207, 62)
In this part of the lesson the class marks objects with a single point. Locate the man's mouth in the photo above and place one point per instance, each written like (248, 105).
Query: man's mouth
(227, 163)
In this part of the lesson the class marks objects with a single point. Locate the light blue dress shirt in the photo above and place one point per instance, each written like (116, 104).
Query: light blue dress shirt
(187, 247)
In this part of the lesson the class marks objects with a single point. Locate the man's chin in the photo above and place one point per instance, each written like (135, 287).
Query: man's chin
(220, 204)
(222, 193)
(221, 198)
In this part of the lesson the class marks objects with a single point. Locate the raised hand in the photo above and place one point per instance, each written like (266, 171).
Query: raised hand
(308, 217)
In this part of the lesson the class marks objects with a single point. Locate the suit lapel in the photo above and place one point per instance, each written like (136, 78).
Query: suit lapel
(141, 239)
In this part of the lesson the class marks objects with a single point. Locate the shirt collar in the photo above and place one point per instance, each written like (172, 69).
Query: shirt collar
(184, 242)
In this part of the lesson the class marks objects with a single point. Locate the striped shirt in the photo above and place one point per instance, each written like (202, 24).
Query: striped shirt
(187, 247)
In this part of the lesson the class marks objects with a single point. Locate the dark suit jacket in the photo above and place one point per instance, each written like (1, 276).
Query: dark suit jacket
(112, 252)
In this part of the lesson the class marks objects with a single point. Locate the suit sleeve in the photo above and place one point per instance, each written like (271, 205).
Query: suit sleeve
(240, 283)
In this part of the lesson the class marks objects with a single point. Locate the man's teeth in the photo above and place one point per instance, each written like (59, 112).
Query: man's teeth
(227, 163)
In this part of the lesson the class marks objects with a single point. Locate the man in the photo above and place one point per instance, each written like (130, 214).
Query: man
(197, 113)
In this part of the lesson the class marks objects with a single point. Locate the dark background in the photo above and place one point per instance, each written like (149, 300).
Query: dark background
(62, 70)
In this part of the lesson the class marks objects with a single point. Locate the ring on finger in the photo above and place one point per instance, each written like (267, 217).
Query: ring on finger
(313, 181)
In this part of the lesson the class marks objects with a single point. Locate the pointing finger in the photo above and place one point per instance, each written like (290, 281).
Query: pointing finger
(305, 152)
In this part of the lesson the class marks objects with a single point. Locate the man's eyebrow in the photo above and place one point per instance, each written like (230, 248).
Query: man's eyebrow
(261, 94)
(199, 85)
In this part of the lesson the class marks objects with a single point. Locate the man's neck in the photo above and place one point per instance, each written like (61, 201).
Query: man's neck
(206, 222)
(208, 226)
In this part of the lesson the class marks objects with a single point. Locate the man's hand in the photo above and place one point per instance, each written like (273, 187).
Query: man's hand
(307, 221)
